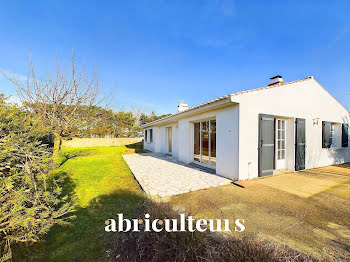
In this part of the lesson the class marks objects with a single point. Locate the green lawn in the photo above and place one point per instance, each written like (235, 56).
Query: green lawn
(101, 185)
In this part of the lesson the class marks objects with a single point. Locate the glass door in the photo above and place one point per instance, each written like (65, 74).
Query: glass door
(205, 142)
(213, 143)
(197, 142)
(280, 144)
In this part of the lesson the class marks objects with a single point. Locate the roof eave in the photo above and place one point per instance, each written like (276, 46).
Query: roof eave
(227, 101)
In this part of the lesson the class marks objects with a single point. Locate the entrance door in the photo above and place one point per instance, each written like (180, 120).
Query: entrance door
(266, 145)
(300, 143)
(281, 144)
(170, 139)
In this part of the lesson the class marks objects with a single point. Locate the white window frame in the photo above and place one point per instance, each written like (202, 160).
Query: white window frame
(332, 134)
(285, 149)
(200, 142)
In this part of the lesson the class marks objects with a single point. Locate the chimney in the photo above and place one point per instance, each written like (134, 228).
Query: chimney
(276, 80)
(181, 107)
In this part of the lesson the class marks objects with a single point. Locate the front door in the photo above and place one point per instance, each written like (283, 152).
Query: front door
(280, 145)
(170, 139)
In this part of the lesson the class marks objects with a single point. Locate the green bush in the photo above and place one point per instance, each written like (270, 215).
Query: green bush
(48, 139)
(27, 208)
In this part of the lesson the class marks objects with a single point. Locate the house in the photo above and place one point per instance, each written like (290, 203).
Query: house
(281, 127)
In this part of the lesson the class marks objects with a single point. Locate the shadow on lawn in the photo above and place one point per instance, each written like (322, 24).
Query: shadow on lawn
(136, 148)
(84, 239)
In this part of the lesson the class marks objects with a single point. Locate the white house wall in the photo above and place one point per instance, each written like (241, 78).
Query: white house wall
(146, 144)
(227, 138)
(305, 99)
(159, 143)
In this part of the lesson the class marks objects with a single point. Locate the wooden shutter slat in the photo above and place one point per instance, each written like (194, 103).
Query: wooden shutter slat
(345, 135)
(300, 144)
(326, 134)
(266, 145)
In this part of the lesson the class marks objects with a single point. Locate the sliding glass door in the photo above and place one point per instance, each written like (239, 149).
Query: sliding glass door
(205, 142)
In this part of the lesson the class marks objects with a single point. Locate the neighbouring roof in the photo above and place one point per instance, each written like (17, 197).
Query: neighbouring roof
(223, 98)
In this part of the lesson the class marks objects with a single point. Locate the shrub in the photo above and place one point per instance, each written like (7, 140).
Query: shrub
(27, 208)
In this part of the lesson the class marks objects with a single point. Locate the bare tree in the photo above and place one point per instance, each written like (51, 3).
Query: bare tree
(137, 112)
(57, 99)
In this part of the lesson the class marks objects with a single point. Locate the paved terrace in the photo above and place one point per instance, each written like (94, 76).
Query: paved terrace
(162, 175)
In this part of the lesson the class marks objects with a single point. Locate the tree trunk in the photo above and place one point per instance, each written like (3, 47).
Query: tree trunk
(57, 146)
(58, 143)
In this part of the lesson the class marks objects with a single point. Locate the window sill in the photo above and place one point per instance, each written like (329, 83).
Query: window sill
(336, 148)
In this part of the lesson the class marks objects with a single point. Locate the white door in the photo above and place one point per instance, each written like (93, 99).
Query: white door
(170, 140)
(281, 143)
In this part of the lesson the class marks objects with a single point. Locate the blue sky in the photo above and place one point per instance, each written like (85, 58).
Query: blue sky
(157, 52)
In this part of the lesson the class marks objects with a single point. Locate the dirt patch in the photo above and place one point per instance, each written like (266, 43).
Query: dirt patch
(308, 211)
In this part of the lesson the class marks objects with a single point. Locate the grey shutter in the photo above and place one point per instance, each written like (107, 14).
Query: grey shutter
(300, 144)
(345, 135)
(326, 134)
(266, 145)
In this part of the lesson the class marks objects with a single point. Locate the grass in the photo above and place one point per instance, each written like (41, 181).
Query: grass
(308, 211)
(101, 185)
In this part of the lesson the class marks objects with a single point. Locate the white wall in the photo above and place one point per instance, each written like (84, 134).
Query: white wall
(147, 144)
(237, 128)
(227, 137)
(305, 99)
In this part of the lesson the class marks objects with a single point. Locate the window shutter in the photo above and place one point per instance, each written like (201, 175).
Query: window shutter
(266, 145)
(300, 144)
(326, 134)
(345, 135)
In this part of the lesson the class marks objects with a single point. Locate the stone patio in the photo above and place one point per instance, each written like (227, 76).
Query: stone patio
(162, 175)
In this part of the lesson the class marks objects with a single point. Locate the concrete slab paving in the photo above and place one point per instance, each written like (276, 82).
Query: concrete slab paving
(162, 175)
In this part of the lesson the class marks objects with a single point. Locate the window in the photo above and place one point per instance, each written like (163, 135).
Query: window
(205, 142)
(151, 135)
(332, 135)
(281, 139)
(146, 135)
(327, 134)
